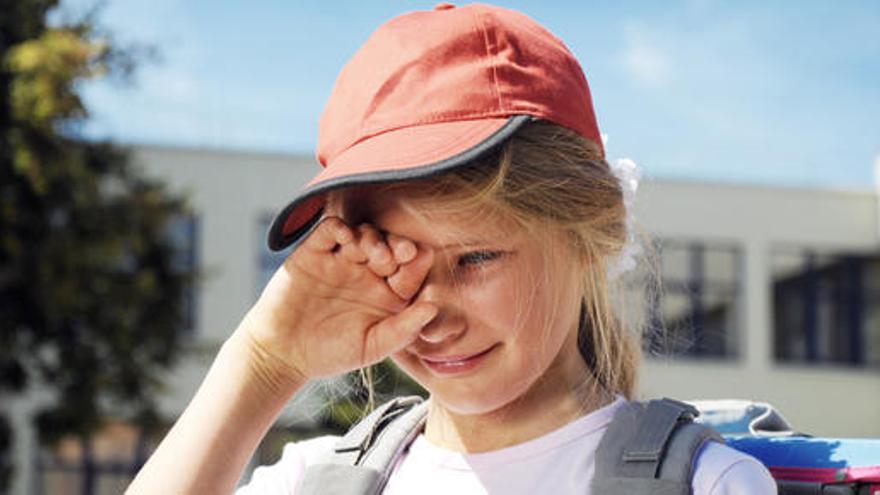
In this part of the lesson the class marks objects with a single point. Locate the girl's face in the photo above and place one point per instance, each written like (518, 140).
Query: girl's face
(508, 309)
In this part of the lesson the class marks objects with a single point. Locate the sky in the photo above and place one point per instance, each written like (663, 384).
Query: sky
(783, 93)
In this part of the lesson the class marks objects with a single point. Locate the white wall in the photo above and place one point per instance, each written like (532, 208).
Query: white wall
(231, 190)
(823, 400)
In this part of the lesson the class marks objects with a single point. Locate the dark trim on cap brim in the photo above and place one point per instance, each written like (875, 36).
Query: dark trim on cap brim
(278, 242)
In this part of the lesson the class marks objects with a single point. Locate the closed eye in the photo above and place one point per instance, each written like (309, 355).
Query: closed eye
(477, 258)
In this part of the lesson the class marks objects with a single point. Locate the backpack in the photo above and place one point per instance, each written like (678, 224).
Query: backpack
(648, 448)
(800, 463)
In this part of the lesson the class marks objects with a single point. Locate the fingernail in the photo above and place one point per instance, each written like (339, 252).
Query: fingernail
(406, 252)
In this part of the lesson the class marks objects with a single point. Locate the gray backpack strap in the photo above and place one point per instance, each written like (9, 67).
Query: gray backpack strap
(362, 460)
(650, 448)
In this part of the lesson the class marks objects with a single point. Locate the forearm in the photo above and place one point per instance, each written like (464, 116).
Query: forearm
(208, 447)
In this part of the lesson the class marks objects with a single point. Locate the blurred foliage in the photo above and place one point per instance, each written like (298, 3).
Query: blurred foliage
(368, 388)
(5, 453)
(91, 286)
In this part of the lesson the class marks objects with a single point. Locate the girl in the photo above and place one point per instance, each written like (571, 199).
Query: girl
(465, 225)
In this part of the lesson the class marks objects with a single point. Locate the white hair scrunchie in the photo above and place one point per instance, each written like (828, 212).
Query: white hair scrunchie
(629, 174)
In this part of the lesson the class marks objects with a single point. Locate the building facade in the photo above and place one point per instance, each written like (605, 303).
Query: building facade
(769, 294)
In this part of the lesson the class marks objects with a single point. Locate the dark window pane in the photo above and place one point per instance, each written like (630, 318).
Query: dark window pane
(826, 308)
(696, 313)
(183, 232)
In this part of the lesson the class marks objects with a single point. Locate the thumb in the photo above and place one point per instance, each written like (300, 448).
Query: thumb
(397, 331)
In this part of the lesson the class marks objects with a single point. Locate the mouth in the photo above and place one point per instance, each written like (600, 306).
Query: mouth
(455, 365)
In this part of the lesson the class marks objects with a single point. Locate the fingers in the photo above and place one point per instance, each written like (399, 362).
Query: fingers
(404, 250)
(379, 258)
(410, 276)
(397, 331)
(353, 252)
(397, 259)
(331, 232)
(381, 253)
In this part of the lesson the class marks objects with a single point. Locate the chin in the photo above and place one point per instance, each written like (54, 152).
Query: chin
(468, 394)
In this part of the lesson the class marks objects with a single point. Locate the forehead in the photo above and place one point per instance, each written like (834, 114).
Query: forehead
(428, 218)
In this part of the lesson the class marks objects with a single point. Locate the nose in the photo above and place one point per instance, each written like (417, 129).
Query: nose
(449, 323)
(444, 327)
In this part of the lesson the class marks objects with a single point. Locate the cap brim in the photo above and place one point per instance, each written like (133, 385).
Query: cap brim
(403, 154)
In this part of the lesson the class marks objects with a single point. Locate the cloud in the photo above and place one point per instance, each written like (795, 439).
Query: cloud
(644, 61)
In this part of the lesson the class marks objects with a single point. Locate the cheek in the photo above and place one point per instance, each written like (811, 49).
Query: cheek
(414, 369)
(503, 301)
(407, 362)
(532, 306)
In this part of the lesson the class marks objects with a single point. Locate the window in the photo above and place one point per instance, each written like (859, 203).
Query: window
(696, 310)
(269, 261)
(183, 232)
(826, 307)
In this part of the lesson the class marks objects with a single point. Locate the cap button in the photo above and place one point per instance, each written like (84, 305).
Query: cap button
(444, 6)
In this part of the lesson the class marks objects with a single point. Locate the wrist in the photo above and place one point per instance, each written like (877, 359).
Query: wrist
(272, 375)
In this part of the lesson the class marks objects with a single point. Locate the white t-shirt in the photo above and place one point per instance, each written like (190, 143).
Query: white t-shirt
(560, 462)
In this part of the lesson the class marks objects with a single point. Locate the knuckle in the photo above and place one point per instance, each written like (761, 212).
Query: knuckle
(336, 227)
(401, 285)
(381, 269)
(367, 230)
(354, 253)
(380, 252)
(399, 288)
(332, 223)
(367, 240)
(395, 239)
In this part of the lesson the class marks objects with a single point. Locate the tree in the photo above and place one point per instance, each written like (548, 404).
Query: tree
(91, 289)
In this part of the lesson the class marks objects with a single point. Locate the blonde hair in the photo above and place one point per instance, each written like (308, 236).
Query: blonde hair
(549, 177)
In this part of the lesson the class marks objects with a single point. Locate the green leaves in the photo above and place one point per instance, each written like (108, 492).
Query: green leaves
(46, 69)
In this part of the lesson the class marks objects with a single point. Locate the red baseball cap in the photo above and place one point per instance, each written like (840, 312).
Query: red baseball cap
(433, 90)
